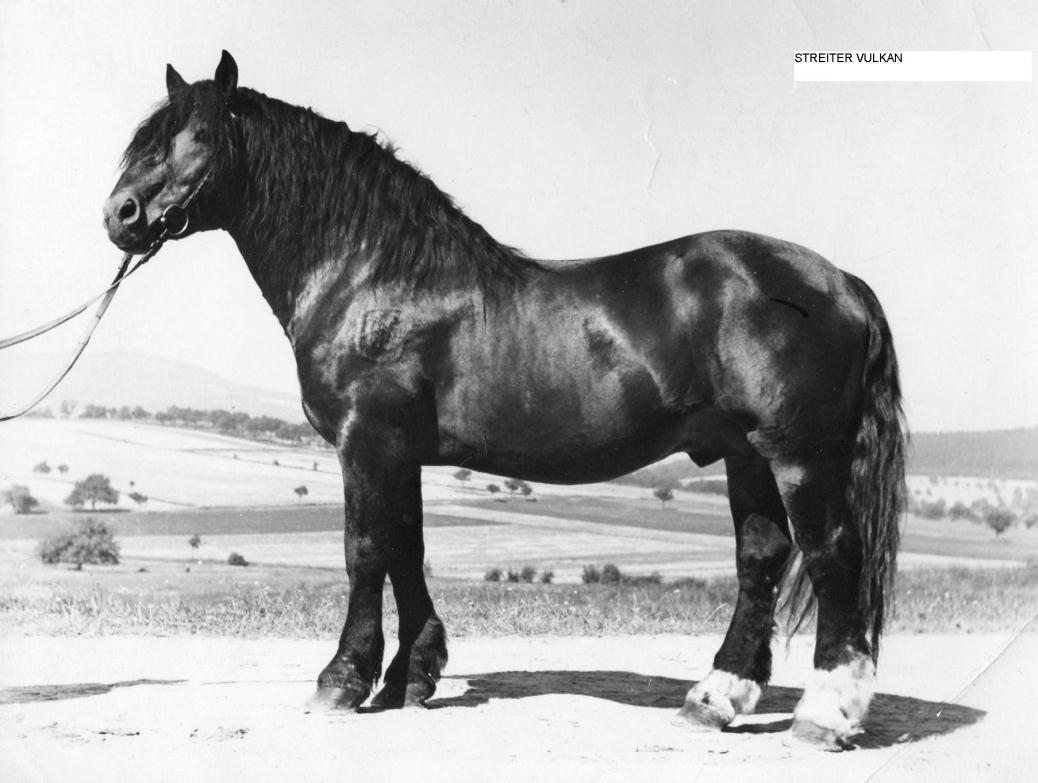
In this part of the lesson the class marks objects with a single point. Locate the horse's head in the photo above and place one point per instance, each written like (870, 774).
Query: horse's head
(182, 154)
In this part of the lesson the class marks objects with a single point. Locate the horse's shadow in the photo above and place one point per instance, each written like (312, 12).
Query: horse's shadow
(891, 720)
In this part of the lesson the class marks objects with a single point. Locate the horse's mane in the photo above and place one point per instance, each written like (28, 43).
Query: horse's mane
(313, 189)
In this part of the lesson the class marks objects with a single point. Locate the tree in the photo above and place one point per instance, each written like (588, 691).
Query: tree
(493, 489)
(463, 475)
(138, 498)
(63, 468)
(41, 467)
(88, 542)
(999, 520)
(518, 485)
(94, 489)
(663, 494)
(20, 498)
(300, 491)
(195, 541)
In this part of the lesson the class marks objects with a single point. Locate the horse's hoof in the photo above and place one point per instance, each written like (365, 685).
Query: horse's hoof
(395, 695)
(831, 738)
(391, 697)
(418, 692)
(705, 713)
(336, 698)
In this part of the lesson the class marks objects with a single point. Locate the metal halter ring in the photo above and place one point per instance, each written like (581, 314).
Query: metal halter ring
(174, 220)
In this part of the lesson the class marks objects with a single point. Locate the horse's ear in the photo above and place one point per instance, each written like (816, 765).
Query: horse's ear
(174, 81)
(226, 76)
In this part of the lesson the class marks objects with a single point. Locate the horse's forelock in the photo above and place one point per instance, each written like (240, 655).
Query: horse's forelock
(154, 136)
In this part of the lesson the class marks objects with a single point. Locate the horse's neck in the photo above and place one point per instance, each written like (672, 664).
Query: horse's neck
(286, 285)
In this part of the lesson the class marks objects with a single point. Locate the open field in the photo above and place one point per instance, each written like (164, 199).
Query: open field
(297, 547)
(185, 468)
(689, 538)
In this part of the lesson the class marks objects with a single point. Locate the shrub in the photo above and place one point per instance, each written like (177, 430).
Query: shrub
(235, 559)
(611, 575)
(20, 498)
(663, 494)
(513, 576)
(41, 467)
(528, 573)
(492, 575)
(934, 510)
(88, 542)
(547, 576)
(999, 520)
(493, 489)
(960, 511)
(640, 581)
(590, 575)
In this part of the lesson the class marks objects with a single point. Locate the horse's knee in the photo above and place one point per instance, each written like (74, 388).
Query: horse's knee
(763, 548)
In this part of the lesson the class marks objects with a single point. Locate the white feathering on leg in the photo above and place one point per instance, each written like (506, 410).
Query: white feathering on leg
(743, 694)
(838, 699)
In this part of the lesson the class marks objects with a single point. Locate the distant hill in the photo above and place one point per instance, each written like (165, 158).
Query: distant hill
(993, 454)
(1004, 454)
(114, 379)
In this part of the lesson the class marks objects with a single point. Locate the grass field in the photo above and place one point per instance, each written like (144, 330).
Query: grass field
(270, 601)
(231, 494)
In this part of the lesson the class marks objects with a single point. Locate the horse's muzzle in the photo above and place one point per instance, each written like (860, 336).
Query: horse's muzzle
(126, 222)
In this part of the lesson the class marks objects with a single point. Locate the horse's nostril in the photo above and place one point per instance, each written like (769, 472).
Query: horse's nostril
(129, 210)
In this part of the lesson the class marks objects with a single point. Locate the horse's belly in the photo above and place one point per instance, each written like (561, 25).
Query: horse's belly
(559, 433)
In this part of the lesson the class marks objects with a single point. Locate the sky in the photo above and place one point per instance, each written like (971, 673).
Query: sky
(568, 129)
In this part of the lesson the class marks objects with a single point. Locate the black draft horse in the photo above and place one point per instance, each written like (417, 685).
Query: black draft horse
(420, 340)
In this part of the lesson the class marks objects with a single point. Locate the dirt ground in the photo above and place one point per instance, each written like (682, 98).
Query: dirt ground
(136, 708)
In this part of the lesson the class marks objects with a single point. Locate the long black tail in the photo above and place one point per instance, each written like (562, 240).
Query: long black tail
(876, 492)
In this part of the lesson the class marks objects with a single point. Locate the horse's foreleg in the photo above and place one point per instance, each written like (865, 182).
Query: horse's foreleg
(838, 694)
(742, 666)
(411, 676)
(377, 495)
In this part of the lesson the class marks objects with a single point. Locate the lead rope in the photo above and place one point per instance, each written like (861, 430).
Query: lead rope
(106, 297)
(174, 222)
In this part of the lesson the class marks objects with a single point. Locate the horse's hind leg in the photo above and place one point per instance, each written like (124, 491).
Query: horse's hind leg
(837, 696)
(411, 676)
(742, 666)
